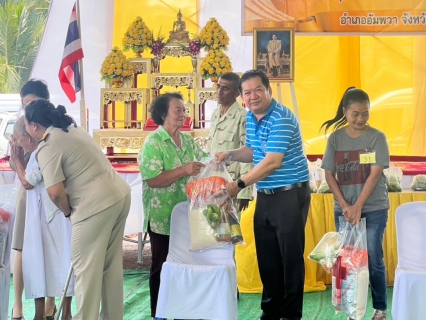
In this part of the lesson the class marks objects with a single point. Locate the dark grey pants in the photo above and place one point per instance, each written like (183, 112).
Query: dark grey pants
(159, 251)
(279, 230)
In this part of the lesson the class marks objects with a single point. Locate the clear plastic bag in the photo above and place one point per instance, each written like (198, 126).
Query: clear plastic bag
(327, 251)
(211, 179)
(317, 175)
(213, 218)
(419, 183)
(350, 275)
(312, 183)
(393, 179)
(229, 217)
(324, 188)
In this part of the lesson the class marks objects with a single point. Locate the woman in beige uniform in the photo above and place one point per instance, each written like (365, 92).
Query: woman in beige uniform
(84, 186)
(33, 89)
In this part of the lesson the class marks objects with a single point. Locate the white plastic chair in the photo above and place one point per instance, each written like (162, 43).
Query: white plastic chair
(408, 300)
(196, 285)
(136, 216)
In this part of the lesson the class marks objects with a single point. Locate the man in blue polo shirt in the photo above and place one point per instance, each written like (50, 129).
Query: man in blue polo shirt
(274, 144)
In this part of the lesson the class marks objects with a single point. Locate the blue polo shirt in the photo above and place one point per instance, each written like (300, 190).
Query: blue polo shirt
(278, 131)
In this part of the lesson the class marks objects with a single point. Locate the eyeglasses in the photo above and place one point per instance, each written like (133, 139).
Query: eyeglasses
(9, 137)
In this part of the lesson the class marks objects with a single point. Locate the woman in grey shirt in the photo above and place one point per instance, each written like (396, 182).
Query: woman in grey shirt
(354, 160)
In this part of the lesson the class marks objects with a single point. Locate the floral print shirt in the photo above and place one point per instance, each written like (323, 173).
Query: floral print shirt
(160, 153)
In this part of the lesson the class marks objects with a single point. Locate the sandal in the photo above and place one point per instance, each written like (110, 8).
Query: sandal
(16, 318)
(52, 317)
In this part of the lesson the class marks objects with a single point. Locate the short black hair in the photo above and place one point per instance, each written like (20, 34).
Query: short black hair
(253, 74)
(36, 87)
(233, 77)
(160, 106)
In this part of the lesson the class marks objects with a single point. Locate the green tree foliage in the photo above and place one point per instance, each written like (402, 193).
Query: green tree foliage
(21, 29)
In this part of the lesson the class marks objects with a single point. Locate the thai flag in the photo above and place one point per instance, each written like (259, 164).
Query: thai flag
(69, 73)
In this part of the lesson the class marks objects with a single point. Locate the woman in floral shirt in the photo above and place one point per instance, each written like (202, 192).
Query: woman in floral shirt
(166, 161)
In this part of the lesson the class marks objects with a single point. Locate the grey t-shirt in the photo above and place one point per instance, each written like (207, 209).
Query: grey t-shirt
(342, 157)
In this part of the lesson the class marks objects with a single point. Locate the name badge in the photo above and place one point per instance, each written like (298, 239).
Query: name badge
(367, 157)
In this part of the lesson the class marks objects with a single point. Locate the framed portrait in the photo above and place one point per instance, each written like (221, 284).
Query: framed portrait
(273, 53)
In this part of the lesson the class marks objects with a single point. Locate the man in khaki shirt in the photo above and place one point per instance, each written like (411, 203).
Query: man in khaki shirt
(228, 130)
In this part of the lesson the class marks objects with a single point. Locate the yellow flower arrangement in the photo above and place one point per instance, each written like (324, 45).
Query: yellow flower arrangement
(116, 66)
(215, 64)
(137, 37)
(213, 36)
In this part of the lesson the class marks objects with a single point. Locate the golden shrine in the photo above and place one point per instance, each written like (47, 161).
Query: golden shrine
(124, 112)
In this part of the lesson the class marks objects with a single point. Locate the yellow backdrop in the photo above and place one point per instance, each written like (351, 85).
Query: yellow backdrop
(391, 69)
(158, 16)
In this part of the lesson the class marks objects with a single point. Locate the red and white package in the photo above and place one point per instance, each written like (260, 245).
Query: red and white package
(350, 276)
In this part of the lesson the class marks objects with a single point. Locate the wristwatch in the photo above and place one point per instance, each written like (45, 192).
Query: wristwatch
(241, 184)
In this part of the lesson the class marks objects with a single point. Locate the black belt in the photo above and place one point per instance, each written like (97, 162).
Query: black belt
(285, 188)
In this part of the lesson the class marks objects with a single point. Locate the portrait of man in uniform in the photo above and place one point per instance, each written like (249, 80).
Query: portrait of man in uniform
(273, 53)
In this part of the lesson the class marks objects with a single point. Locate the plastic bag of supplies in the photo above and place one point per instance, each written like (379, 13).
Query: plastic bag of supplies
(317, 175)
(327, 251)
(393, 179)
(209, 181)
(419, 183)
(213, 219)
(324, 188)
(350, 272)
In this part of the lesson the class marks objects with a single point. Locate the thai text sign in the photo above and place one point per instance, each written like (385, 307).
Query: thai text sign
(336, 16)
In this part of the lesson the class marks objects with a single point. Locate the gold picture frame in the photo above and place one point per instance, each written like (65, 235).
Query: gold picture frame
(273, 53)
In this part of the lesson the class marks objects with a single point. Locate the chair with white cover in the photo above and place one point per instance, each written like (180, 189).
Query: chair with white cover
(408, 300)
(196, 285)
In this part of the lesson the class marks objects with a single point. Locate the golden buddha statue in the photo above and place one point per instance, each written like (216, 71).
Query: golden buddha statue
(179, 33)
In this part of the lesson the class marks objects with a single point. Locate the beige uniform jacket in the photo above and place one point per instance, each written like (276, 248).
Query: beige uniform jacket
(75, 159)
(229, 133)
(274, 50)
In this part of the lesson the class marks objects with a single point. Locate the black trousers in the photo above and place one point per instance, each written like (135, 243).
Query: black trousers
(159, 251)
(279, 231)
(274, 71)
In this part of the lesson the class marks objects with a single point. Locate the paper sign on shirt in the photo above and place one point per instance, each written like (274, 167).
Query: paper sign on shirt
(367, 157)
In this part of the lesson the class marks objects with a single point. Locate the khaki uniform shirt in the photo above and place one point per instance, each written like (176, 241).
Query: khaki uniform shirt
(228, 133)
(74, 158)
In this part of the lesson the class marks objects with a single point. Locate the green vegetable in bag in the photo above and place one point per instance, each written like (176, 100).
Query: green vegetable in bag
(419, 183)
(394, 187)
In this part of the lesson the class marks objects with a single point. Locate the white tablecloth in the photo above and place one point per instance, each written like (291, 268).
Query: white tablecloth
(134, 223)
(6, 177)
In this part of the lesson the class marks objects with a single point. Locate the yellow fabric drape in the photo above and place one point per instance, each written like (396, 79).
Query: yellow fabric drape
(418, 138)
(320, 221)
(391, 69)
